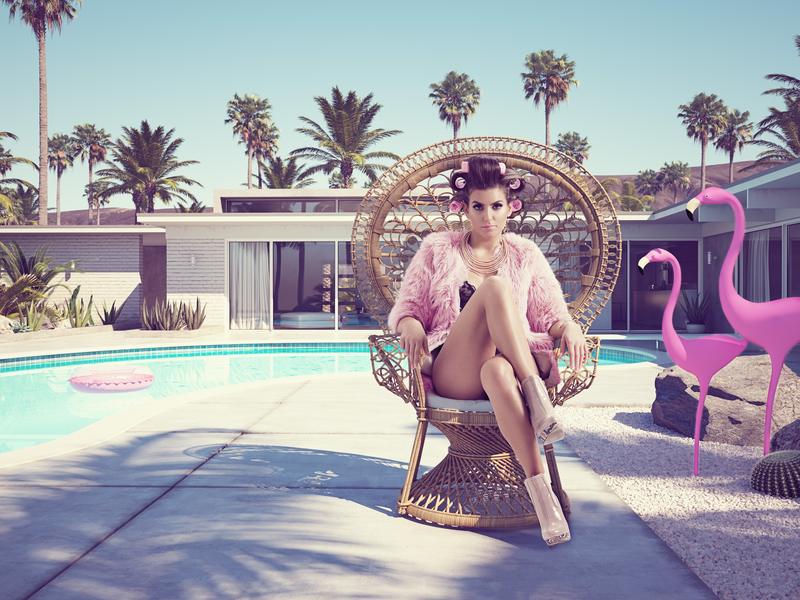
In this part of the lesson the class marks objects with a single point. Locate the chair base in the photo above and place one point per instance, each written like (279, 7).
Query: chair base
(474, 489)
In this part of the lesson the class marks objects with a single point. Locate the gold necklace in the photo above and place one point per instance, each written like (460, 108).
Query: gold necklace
(477, 265)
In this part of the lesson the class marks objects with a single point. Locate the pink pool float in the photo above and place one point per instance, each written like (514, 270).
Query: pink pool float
(119, 379)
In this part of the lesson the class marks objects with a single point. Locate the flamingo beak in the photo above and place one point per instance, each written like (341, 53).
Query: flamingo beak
(691, 207)
(643, 262)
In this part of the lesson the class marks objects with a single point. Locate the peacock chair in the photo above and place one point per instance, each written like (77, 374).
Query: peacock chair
(566, 211)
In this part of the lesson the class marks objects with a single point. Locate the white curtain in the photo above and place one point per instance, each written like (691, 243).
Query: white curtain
(248, 285)
(757, 276)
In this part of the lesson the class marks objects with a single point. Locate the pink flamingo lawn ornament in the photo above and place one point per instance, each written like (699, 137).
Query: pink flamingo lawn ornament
(702, 357)
(773, 325)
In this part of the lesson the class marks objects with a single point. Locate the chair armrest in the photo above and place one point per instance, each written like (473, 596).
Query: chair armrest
(388, 360)
(574, 382)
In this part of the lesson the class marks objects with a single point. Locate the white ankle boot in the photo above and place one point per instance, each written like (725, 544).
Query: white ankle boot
(555, 529)
(544, 423)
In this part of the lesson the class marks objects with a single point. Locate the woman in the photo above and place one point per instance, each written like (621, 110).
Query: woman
(488, 305)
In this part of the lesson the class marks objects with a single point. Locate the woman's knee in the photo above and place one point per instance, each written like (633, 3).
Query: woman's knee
(497, 286)
(497, 370)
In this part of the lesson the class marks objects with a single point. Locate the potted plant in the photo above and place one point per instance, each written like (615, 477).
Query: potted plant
(696, 309)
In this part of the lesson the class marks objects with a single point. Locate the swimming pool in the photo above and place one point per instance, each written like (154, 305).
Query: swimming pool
(38, 404)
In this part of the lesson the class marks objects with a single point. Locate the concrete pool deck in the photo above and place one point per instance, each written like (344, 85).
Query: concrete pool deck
(279, 491)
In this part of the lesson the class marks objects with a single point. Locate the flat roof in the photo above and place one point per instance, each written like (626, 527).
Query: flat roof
(56, 229)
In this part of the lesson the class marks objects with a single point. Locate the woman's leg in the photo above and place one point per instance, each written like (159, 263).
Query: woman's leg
(489, 322)
(498, 380)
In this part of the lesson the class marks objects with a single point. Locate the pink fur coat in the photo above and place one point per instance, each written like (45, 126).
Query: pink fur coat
(429, 291)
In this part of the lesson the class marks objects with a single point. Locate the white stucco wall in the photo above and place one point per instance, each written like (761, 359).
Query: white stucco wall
(107, 266)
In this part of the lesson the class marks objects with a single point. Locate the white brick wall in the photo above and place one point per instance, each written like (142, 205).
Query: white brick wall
(205, 279)
(109, 265)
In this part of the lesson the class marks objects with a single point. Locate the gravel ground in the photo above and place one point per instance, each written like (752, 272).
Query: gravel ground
(741, 543)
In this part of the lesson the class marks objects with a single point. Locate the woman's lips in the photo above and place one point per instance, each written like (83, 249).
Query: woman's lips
(487, 226)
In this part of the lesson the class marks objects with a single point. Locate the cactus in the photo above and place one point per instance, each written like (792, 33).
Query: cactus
(778, 474)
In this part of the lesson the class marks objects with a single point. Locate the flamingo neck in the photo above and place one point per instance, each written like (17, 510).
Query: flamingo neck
(727, 292)
(672, 340)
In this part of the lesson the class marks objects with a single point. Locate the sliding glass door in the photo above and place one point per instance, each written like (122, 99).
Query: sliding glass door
(248, 285)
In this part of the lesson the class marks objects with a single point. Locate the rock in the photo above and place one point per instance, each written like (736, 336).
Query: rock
(735, 406)
(787, 437)
(6, 325)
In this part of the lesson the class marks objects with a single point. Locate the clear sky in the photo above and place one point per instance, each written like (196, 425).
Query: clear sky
(177, 63)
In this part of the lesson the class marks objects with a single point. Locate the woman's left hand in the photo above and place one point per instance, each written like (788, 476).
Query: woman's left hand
(574, 342)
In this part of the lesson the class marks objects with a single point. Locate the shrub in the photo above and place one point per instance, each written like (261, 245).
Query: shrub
(109, 316)
(193, 317)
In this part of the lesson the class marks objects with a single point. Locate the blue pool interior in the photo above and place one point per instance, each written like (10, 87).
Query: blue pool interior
(38, 403)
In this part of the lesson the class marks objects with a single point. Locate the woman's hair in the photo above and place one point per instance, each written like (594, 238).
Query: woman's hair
(483, 173)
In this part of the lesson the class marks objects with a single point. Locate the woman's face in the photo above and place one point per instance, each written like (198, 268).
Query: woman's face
(488, 211)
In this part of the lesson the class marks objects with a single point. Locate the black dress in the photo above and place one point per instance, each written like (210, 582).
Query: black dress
(465, 292)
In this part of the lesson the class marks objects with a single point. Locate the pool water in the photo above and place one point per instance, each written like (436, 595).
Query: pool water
(38, 404)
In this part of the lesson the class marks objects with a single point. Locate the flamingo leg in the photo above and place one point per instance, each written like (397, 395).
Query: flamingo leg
(777, 365)
(698, 419)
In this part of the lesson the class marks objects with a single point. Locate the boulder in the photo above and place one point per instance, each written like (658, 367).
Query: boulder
(6, 325)
(735, 406)
(787, 437)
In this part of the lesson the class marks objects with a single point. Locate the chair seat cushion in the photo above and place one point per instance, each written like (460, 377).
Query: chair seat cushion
(434, 400)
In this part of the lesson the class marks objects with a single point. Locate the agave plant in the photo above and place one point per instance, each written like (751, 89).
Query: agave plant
(163, 316)
(33, 315)
(79, 312)
(193, 317)
(109, 316)
(696, 307)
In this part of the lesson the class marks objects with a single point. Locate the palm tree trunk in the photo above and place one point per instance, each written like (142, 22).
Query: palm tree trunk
(91, 200)
(546, 124)
(249, 166)
(730, 167)
(703, 165)
(97, 211)
(455, 129)
(260, 179)
(58, 197)
(42, 127)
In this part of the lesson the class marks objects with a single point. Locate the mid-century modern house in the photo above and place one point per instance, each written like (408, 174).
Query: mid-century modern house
(290, 249)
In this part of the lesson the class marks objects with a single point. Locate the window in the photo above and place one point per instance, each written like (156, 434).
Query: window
(760, 278)
(303, 285)
(650, 291)
(248, 285)
(352, 312)
(793, 259)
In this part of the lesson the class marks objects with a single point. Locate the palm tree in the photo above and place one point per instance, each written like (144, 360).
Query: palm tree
(649, 182)
(704, 118)
(92, 145)
(279, 175)
(784, 126)
(41, 15)
(144, 164)
(7, 162)
(737, 132)
(677, 176)
(548, 78)
(96, 193)
(195, 207)
(792, 90)
(457, 97)
(62, 152)
(251, 121)
(265, 145)
(26, 204)
(574, 146)
(343, 146)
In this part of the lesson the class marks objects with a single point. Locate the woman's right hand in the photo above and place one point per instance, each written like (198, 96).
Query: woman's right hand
(413, 340)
